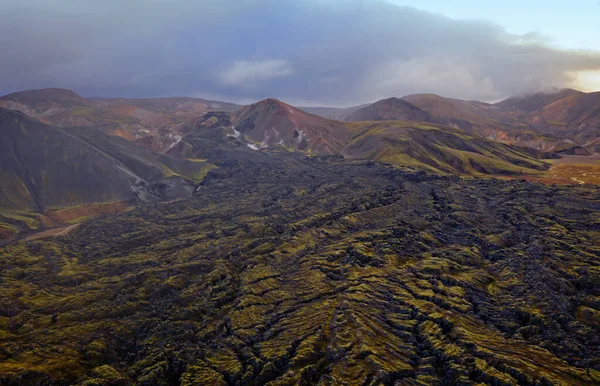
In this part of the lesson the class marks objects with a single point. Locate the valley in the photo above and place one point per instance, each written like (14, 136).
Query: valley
(197, 242)
(306, 270)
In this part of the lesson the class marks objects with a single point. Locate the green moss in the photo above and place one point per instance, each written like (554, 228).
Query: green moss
(556, 123)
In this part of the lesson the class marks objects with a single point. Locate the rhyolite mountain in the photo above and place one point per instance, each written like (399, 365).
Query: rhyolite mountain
(156, 123)
(272, 122)
(557, 120)
(391, 109)
(567, 114)
(560, 120)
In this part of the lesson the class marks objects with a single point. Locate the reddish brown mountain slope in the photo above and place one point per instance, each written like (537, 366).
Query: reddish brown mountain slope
(500, 122)
(272, 122)
(570, 115)
(155, 123)
(391, 109)
(530, 103)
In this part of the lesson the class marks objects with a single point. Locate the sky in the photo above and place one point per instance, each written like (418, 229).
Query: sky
(305, 52)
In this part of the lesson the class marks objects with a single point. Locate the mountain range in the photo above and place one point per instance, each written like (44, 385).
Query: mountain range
(63, 152)
(560, 120)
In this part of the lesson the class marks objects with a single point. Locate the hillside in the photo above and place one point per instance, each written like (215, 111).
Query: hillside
(571, 115)
(156, 122)
(314, 270)
(439, 149)
(45, 168)
(271, 122)
(529, 103)
(392, 109)
(553, 121)
(63, 108)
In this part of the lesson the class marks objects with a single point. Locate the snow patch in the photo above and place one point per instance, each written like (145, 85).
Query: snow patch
(236, 133)
(177, 139)
(253, 146)
(300, 136)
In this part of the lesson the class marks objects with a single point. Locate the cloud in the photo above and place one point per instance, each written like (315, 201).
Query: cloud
(446, 75)
(341, 52)
(249, 73)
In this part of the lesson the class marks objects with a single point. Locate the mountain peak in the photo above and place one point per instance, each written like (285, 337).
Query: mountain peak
(391, 109)
(270, 101)
(272, 122)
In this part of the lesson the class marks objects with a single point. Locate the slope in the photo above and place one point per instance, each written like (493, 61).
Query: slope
(438, 148)
(46, 168)
(529, 103)
(391, 109)
(156, 123)
(271, 122)
(570, 115)
(63, 108)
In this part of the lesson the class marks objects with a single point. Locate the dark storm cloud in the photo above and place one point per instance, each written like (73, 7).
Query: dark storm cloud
(311, 51)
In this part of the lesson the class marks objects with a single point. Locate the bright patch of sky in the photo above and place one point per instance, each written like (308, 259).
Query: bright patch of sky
(568, 24)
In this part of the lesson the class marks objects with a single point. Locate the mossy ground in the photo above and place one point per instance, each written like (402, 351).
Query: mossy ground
(315, 271)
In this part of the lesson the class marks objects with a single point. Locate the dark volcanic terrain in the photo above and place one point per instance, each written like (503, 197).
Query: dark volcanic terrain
(286, 269)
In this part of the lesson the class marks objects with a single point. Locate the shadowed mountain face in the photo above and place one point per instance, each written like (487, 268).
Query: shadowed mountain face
(271, 122)
(46, 168)
(314, 270)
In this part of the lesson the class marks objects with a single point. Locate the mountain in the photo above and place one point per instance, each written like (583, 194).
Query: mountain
(552, 121)
(564, 121)
(436, 148)
(46, 169)
(272, 122)
(165, 120)
(461, 113)
(529, 103)
(156, 123)
(63, 108)
(45, 99)
(391, 109)
(439, 149)
(568, 114)
(304, 270)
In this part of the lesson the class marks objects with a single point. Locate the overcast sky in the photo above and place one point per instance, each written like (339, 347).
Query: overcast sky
(306, 52)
